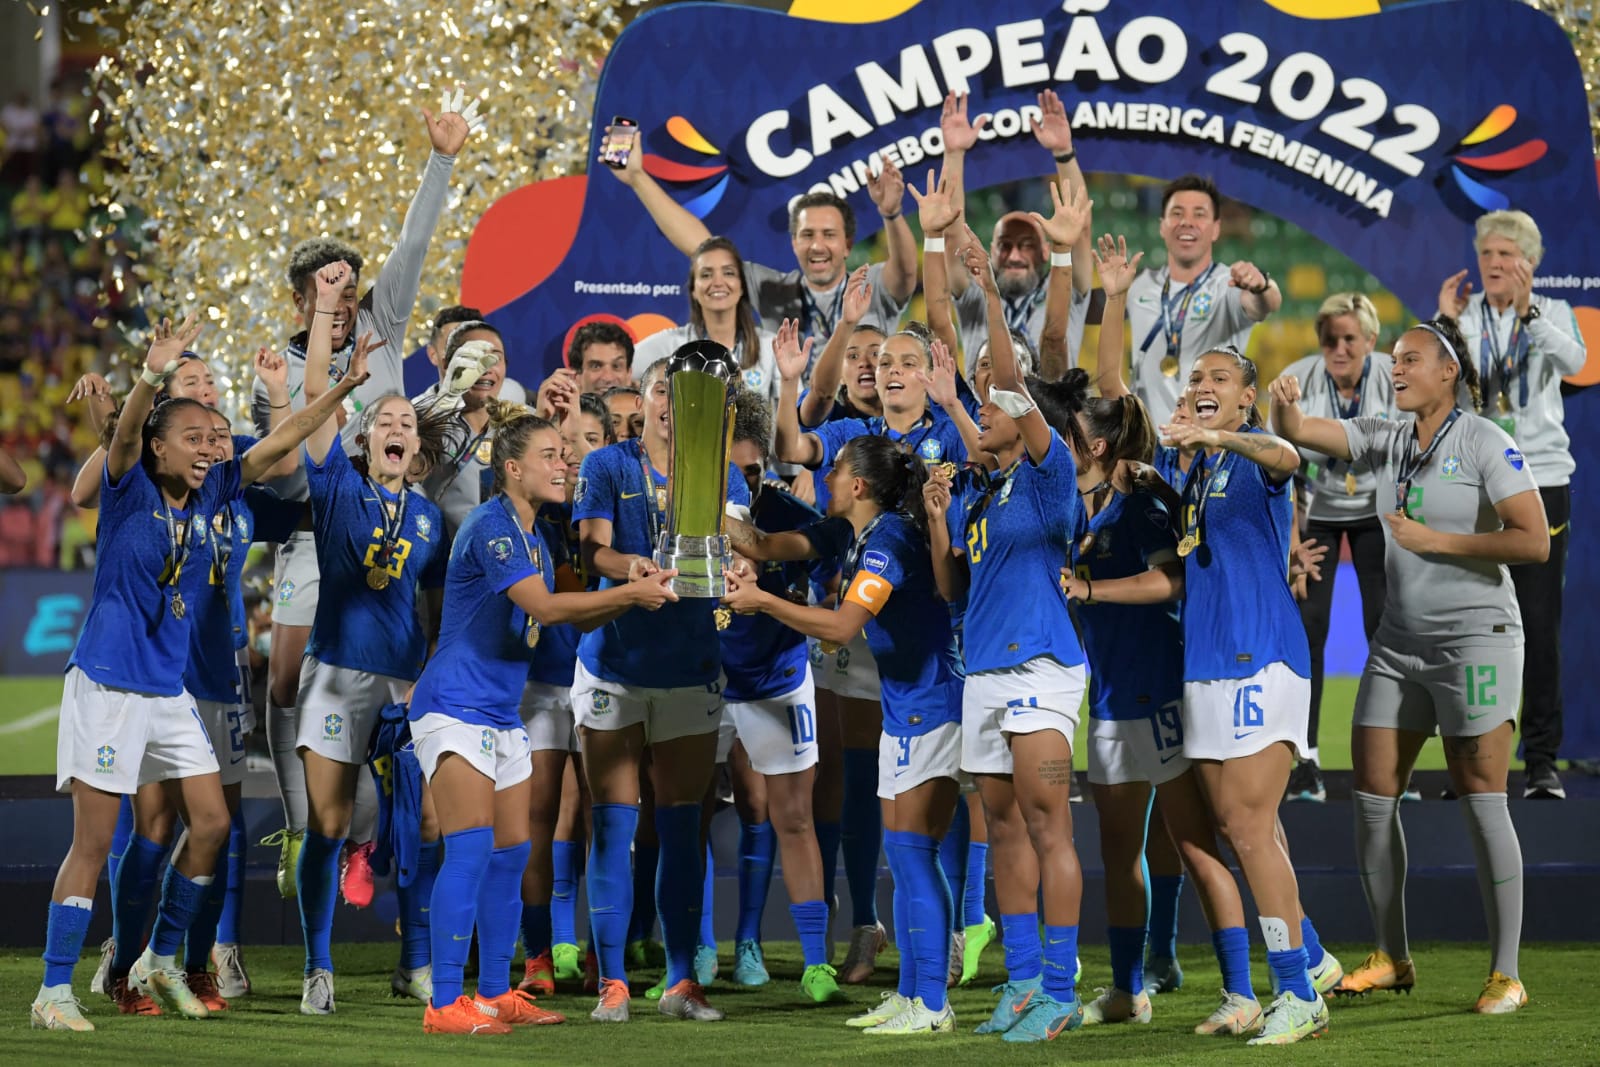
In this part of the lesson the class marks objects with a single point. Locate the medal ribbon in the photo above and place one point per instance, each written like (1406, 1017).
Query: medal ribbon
(222, 549)
(1019, 311)
(535, 557)
(392, 524)
(181, 543)
(1197, 526)
(1512, 363)
(653, 511)
(1411, 465)
(1174, 313)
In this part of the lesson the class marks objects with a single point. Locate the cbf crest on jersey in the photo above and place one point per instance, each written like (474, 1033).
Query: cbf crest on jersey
(1219, 483)
(930, 449)
(755, 379)
(1201, 308)
(424, 527)
(1450, 467)
(487, 742)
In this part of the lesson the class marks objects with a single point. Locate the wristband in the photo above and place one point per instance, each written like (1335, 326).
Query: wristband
(154, 379)
(933, 244)
(319, 311)
(278, 407)
(1266, 283)
(1068, 156)
(1060, 259)
(1088, 584)
(889, 218)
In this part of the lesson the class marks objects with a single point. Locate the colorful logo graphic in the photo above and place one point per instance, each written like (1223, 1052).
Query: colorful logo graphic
(1503, 162)
(105, 757)
(664, 169)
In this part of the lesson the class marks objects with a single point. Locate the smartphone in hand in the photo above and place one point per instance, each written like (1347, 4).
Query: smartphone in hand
(618, 142)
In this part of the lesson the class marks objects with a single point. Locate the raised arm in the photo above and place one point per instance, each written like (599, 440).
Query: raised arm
(316, 417)
(942, 390)
(272, 371)
(128, 441)
(99, 404)
(888, 192)
(1053, 131)
(1116, 275)
(939, 216)
(959, 138)
(950, 572)
(678, 226)
(829, 371)
(1259, 294)
(791, 444)
(1008, 392)
(1067, 227)
(319, 352)
(1322, 435)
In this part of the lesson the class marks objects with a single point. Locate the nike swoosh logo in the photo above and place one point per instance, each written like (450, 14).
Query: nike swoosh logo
(460, 937)
(630, 496)
(426, 910)
(1051, 1032)
(1057, 941)
(1169, 759)
(1473, 718)
(1020, 1006)
(801, 751)
(1237, 736)
(1555, 531)
(235, 759)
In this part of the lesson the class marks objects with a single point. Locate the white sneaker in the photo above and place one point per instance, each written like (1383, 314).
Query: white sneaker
(1237, 1014)
(918, 1019)
(416, 983)
(317, 995)
(101, 982)
(232, 979)
(1326, 976)
(57, 1009)
(1117, 1006)
(891, 1004)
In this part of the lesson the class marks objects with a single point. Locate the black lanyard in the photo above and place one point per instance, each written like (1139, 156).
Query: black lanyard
(393, 521)
(181, 541)
(222, 547)
(532, 629)
(1411, 466)
(1019, 311)
(1195, 530)
(1512, 363)
(992, 484)
(655, 509)
(852, 554)
(812, 311)
(904, 441)
(1170, 322)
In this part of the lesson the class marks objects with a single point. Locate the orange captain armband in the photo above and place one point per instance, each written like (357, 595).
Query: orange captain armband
(869, 590)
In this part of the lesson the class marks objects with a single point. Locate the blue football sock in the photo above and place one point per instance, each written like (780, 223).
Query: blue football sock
(828, 845)
(499, 915)
(416, 904)
(564, 893)
(130, 900)
(535, 930)
(1232, 945)
(861, 833)
(233, 901)
(642, 920)
(707, 934)
(1311, 942)
(1289, 968)
(63, 940)
(976, 885)
(929, 902)
(317, 887)
(901, 919)
(1024, 950)
(1127, 957)
(757, 846)
(953, 857)
(680, 889)
(1165, 891)
(454, 907)
(119, 843)
(1060, 961)
(181, 900)
(611, 883)
(811, 923)
(202, 933)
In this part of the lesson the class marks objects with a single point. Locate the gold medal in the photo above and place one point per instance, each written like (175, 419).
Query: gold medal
(534, 630)
(723, 618)
(378, 579)
(1169, 366)
(1189, 543)
(1505, 404)
(1350, 483)
(829, 647)
(485, 451)
(179, 609)
(946, 468)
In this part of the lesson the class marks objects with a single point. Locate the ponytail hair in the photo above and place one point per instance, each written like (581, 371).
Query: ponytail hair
(433, 427)
(1248, 376)
(1124, 425)
(155, 425)
(513, 425)
(894, 476)
(1446, 335)
(1060, 402)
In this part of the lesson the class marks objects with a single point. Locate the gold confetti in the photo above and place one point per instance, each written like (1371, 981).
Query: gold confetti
(241, 129)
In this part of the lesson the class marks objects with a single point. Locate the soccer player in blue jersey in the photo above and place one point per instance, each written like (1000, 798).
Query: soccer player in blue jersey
(1448, 652)
(1246, 661)
(771, 708)
(999, 539)
(645, 680)
(1126, 571)
(377, 542)
(549, 885)
(877, 526)
(465, 723)
(125, 716)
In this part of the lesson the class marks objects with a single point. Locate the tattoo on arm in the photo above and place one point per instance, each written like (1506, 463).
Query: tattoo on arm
(742, 534)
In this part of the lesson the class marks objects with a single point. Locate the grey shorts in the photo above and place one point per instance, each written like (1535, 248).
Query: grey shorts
(1460, 691)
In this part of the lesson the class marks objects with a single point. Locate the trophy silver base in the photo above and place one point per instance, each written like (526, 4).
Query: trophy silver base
(701, 563)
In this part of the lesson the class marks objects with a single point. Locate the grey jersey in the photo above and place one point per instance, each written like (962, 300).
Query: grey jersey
(1434, 600)
(1340, 491)
(972, 321)
(1555, 350)
(761, 377)
(1215, 317)
(780, 295)
(384, 311)
(456, 485)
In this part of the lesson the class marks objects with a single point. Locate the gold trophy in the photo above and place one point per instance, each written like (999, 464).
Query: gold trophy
(701, 384)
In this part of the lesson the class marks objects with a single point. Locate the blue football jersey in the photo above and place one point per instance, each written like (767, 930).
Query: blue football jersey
(935, 440)
(218, 631)
(1166, 465)
(1239, 614)
(762, 657)
(1016, 529)
(356, 626)
(557, 651)
(1135, 650)
(890, 573)
(131, 639)
(675, 646)
(486, 642)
